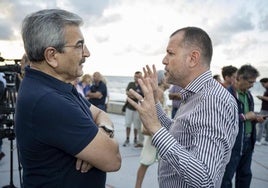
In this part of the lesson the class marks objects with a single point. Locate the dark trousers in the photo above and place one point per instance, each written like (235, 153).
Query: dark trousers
(239, 164)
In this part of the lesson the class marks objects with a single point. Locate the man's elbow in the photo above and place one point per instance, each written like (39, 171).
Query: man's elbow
(113, 166)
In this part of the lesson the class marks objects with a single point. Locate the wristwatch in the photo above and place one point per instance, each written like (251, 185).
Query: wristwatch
(108, 129)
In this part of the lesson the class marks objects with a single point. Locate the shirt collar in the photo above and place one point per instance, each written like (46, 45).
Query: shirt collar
(48, 80)
(195, 85)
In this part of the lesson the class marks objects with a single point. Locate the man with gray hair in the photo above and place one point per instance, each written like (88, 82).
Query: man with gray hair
(63, 140)
(240, 162)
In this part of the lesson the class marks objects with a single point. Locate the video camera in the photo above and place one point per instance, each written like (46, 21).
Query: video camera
(8, 97)
(8, 131)
(10, 68)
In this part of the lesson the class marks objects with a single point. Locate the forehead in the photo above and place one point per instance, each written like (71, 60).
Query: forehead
(175, 41)
(137, 74)
(72, 33)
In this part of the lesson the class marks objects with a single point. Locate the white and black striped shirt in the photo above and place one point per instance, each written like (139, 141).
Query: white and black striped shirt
(196, 146)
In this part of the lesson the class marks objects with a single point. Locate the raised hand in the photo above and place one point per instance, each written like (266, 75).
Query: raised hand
(146, 105)
(152, 74)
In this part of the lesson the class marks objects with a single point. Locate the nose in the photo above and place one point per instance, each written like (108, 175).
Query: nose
(164, 61)
(86, 52)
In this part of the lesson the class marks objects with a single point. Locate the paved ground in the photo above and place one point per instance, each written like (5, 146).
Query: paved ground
(126, 176)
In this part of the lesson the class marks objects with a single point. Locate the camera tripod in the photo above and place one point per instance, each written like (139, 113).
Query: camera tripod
(10, 100)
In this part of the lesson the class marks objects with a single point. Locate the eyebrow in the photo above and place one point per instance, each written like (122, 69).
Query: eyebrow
(80, 41)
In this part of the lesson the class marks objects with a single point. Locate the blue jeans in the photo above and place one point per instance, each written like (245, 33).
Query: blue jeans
(239, 164)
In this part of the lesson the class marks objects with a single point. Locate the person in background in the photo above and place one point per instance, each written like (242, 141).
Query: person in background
(63, 140)
(228, 75)
(108, 94)
(85, 83)
(148, 152)
(264, 111)
(217, 77)
(78, 87)
(98, 92)
(194, 147)
(240, 161)
(174, 95)
(131, 115)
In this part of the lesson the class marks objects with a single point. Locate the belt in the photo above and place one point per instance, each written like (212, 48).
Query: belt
(248, 135)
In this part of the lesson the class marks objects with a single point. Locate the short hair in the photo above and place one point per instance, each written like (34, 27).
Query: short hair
(247, 72)
(194, 36)
(138, 72)
(216, 76)
(46, 28)
(264, 80)
(228, 71)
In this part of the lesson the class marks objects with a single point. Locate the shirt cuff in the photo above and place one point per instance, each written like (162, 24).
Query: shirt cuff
(163, 141)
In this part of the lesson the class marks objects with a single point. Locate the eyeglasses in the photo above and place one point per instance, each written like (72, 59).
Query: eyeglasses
(79, 46)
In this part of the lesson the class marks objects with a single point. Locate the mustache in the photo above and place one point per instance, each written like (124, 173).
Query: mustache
(83, 60)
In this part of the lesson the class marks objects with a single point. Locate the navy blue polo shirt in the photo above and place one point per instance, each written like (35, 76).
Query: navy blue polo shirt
(53, 123)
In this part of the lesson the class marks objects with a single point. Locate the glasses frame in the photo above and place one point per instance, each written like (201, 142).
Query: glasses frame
(80, 45)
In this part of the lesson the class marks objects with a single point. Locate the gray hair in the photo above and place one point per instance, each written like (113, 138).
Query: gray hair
(248, 72)
(46, 28)
(160, 76)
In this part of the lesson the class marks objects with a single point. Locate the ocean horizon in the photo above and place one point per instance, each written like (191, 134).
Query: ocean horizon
(117, 90)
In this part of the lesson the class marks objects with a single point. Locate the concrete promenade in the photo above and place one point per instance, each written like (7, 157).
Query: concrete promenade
(126, 176)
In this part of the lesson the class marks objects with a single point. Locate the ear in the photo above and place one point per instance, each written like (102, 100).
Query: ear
(50, 56)
(194, 58)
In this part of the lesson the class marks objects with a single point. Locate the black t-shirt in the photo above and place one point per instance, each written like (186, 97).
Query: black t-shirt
(137, 88)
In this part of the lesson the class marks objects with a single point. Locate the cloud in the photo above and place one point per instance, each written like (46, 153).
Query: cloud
(5, 30)
(263, 24)
(224, 31)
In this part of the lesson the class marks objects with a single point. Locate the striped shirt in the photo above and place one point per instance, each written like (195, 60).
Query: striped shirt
(196, 145)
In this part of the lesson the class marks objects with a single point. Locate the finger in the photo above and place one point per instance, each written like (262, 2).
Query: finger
(145, 85)
(133, 103)
(149, 70)
(85, 167)
(135, 95)
(88, 167)
(78, 164)
(154, 69)
(144, 72)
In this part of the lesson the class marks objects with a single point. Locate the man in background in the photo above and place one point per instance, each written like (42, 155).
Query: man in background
(240, 161)
(131, 115)
(228, 75)
(264, 111)
(98, 92)
(175, 97)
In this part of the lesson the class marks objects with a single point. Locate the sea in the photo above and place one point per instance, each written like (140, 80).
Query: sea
(117, 90)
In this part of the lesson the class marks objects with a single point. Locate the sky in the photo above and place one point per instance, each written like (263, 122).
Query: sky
(125, 35)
